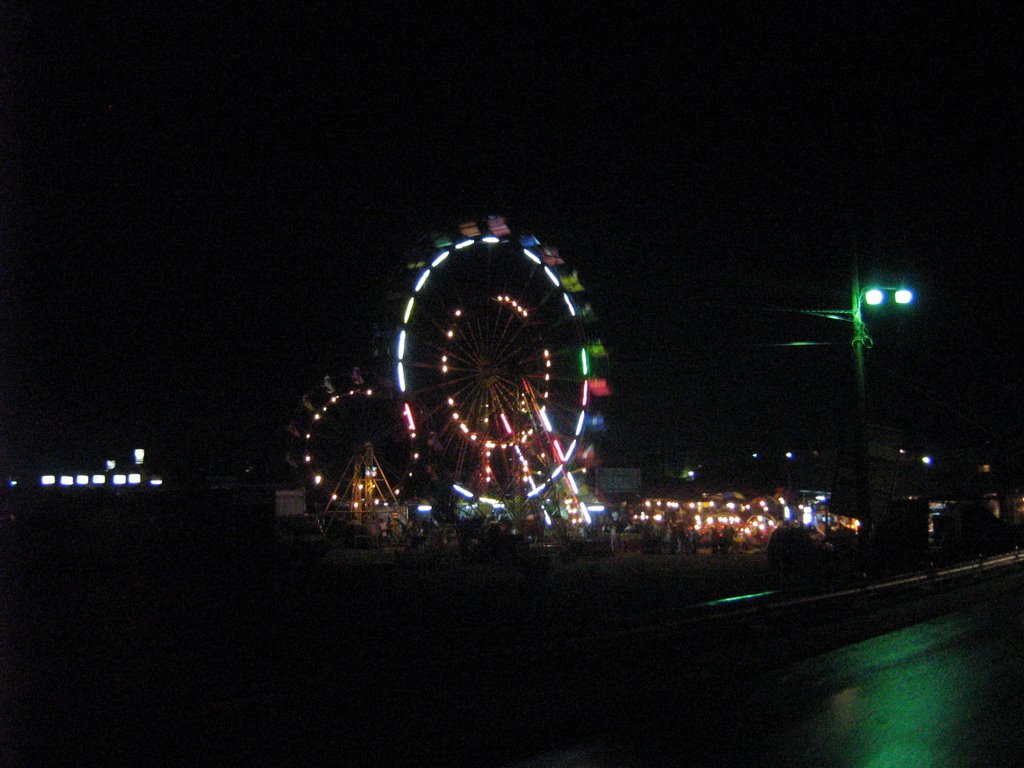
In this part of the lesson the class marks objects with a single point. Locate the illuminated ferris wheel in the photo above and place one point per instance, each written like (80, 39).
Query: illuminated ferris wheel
(347, 445)
(494, 369)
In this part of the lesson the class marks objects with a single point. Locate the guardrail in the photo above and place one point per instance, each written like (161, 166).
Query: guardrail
(769, 602)
(773, 605)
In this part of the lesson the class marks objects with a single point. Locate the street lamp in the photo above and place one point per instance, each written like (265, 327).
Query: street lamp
(876, 296)
(861, 297)
(872, 296)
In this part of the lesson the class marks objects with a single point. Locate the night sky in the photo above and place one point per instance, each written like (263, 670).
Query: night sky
(201, 211)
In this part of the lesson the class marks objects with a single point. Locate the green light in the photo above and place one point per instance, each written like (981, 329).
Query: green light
(584, 363)
(874, 297)
(738, 598)
(904, 296)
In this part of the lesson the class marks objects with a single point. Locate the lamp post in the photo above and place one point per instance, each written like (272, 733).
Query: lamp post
(861, 296)
(862, 480)
(871, 296)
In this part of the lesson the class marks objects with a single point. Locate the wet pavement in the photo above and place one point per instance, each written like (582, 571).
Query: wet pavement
(945, 692)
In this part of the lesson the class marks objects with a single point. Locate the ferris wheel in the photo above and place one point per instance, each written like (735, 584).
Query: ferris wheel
(347, 445)
(494, 369)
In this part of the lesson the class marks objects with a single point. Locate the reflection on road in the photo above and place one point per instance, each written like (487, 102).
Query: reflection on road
(901, 699)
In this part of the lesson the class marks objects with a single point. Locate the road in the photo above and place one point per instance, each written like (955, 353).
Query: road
(948, 691)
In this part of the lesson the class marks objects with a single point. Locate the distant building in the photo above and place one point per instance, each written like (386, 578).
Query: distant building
(126, 471)
(616, 481)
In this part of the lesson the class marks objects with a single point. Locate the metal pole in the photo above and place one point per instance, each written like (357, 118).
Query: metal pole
(860, 440)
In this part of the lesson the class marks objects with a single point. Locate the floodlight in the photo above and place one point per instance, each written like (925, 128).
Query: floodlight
(874, 297)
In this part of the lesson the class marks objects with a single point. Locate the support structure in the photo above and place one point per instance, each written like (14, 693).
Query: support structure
(367, 489)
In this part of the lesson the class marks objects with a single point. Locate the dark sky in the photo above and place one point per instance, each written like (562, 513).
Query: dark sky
(200, 210)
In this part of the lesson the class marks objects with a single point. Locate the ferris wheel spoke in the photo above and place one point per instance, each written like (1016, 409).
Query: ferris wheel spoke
(507, 397)
(458, 383)
(462, 376)
(517, 328)
(464, 366)
(480, 341)
(474, 395)
(434, 346)
(443, 385)
(464, 352)
(510, 351)
(502, 330)
(501, 393)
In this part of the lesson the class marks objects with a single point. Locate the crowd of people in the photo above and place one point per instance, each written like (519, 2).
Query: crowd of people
(487, 538)
(676, 539)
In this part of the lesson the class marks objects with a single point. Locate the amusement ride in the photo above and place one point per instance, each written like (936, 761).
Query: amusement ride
(493, 376)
